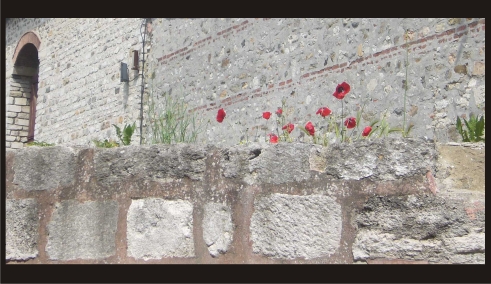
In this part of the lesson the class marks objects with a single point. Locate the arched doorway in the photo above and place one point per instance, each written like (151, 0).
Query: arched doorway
(24, 87)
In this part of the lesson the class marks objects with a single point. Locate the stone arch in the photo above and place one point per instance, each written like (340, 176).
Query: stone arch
(23, 90)
(29, 37)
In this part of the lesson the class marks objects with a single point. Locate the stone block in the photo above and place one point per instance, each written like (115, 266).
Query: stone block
(43, 168)
(380, 159)
(217, 228)
(21, 229)
(417, 227)
(158, 228)
(23, 122)
(156, 162)
(20, 101)
(16, 94)
(258, 163)
(14, 108)
(479, 68)
(10, 138)
(82, 230)
(283, 226)
(23, 115)
(16, 145)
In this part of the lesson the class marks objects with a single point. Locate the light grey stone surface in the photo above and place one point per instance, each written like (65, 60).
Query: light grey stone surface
(419, 227)
(262, 163)
(288, 226)
(157, 162)
(380, 159)
(248, 66)
(21, 229)
(82, 230)
(44, 168)
(158, 228)
(282, 163)
(217, 228)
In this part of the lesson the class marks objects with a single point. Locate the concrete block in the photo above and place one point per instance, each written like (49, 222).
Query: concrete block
(289, 226)
(82, 230)
(158, 228)
(43, 168)
(217, 228)
(21, 229)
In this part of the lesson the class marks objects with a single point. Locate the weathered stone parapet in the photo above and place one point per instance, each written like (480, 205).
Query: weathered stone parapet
(370, 201)
(39, 168)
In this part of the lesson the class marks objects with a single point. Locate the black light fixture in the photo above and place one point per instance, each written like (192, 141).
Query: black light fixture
(124, 72)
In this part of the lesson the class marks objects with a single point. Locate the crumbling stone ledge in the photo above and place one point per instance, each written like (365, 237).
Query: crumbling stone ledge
(371, 201)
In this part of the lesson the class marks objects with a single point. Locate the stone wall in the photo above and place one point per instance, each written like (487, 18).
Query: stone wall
(18, 111)
(248, 66)
(381, 201)
(79, 92)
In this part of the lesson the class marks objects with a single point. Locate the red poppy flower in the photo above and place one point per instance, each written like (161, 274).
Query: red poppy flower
(324, 111)
(273, 138)
(310, 128)
(266, 115)
(221, 115)
(289, 127)
(350, 122)
(366, 131)
(341, 90)
(279, 111)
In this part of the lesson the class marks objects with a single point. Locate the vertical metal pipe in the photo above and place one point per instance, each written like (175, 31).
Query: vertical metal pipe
(143, 81)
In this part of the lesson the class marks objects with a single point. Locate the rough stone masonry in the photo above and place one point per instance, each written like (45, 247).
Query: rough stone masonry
(371, 201)
(246, 66)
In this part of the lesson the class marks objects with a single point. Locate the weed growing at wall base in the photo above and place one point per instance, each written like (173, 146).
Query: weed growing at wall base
(172, 122)
(125, 135)
(40, 144)
(474, 131)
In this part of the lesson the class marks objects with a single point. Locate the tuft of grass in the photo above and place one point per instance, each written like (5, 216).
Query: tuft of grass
(106, 143)
(40, 144)
(173, 123)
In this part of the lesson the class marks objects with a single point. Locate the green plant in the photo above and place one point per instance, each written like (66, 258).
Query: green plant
(474, 131)
(173, 123)
(106, 143)
(40, 144)
(405, 131)
(125, 135)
